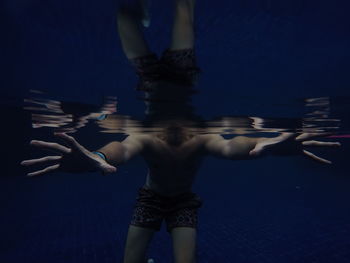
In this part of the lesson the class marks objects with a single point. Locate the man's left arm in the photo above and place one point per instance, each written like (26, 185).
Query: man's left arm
(242, 147)
(237, 148)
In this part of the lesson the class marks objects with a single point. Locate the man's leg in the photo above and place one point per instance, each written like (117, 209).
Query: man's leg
(137, 243)
(129, 18)
(183, 31)
(184, 244)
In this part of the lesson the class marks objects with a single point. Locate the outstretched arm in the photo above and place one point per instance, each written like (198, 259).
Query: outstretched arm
(236, 148)
(242, 147)
(75, 158)
(120, 152)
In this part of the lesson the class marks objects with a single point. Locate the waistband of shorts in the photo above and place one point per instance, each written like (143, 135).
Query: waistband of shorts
(148, 190)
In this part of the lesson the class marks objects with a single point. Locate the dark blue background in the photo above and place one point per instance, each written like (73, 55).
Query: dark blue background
(255, 57)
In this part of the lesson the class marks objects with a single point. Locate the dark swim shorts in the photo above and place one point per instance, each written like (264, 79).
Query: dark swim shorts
(176, 66)
(178, 211)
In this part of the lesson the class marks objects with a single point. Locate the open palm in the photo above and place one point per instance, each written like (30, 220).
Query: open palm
(74, 159)
(291, 143)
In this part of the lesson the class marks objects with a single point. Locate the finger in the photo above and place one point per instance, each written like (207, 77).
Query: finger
(108, 169)
(318, 143)
(316, 158)
(41, 160)
(45, 171)
(305, 136)
(69, 139)
(51, 146)
(257, 150)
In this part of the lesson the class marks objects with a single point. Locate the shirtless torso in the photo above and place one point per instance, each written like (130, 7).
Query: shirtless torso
(172, 168)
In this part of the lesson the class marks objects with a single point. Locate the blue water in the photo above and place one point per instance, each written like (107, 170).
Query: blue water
(258, 58)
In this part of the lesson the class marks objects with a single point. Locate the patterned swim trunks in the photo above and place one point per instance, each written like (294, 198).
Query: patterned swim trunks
(178, 211)
(176, 66)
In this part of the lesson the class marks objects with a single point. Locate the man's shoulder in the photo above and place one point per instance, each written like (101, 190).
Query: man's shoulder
(140, 137)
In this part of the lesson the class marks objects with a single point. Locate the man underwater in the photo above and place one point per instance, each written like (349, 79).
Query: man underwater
(173, 153)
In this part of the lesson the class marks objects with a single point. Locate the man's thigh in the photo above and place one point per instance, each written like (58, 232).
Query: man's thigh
(184, 244)
(136, 244)
(183, 32)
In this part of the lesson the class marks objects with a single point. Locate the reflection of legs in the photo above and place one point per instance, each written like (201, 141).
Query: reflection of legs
(184, 244)
(136, 244)
(183, 32)
(129, 27)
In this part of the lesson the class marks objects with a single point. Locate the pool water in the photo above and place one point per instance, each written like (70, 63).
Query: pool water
(266, 67)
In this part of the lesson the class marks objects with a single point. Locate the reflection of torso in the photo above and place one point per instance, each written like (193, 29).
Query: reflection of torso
(172, 169)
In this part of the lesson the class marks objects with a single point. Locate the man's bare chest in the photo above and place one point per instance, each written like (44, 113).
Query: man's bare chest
(163, 156)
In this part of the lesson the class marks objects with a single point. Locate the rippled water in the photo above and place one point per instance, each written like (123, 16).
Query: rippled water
(64, 116)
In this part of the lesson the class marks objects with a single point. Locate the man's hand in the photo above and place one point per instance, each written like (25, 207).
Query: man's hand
(74, 158)
(290, 143)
